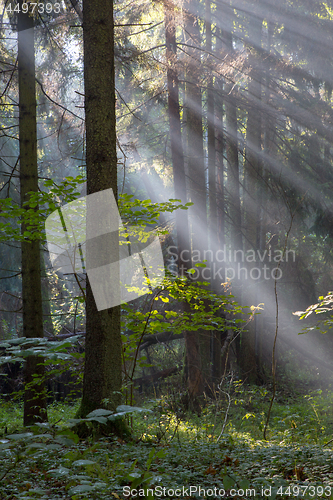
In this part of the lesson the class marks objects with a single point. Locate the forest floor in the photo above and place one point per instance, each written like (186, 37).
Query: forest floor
(175, 454)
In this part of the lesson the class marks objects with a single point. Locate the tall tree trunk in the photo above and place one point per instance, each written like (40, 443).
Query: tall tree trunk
(233, 194)
(177, 154)
(103, 370)
(195, 152)
(220, 189)
(196, 171)
(214, 237)
(268, 126)
(220, 147)
(233, 182)
(211, 143)
(35, 395)
(193, 368)
(252, 174)
(218, 271)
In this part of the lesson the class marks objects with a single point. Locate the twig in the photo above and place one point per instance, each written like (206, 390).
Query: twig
(77, 8)
(140, 340)
(18, 459)
(57, 103)
(227, 410)
(81, 287)
(10, 80)
(328, 442)
(74, 328)
(276, 327)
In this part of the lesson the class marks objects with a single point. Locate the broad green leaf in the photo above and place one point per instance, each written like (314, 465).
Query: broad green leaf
(60, 471)
(134, 475)
(101, 420)
(36, 492)
(24, 435)
(99, 413)
(100, 485)
(79, 463)
(129, 409)
(40, 446)
(64, 440)
(244, 484)
(161, 454)
(228, 482)
(69, 434)
(81, 488)
(136, 482)
(5, 446)
(53, 446)
(10, 359)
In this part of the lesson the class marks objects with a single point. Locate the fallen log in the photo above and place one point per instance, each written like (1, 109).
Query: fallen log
(64, 336)
(159, 338)
(147, 340)
(151, 379)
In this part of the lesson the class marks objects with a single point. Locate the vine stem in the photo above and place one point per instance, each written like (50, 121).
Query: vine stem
(276, 327)
(140, 341)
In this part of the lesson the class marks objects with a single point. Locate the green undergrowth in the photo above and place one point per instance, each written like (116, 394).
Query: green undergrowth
(221, 451)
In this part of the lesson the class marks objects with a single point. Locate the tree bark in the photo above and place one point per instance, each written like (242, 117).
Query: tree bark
(195, 153)
(151, 379)
(34, 395)
(45, 288)
(215, 158)
(103, 370)
(177, 154)
(211, 144)
(233, 182)
(220, 148)
(197, 343)
(233, 196)
(252, 174)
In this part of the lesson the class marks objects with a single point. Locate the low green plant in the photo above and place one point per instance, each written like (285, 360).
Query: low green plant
(48, 460)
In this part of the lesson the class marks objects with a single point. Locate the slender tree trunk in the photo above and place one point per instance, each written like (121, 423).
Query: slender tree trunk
(47, 315)
(220, 149)
(233, 191)
(214, 154)
(211, 143)
(328, 96)
(220, 190)
(268, 127)
(219, 278)
(233, 182)
(197, 185)
(179, 179)
(34, 396)
(252, 174)
(103, 370)
(193, 366)
(195, 152)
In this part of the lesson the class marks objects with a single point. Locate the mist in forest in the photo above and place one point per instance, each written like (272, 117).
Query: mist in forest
(225, 104)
